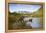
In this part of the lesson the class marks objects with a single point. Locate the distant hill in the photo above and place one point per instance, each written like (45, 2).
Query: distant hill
(24, 12)
(38, 13)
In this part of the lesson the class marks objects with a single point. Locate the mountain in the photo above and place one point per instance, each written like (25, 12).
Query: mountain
(24, 12)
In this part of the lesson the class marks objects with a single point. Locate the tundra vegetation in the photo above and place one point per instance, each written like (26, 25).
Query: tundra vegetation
(15, 20)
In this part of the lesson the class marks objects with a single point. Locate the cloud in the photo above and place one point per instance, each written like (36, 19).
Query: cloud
(23, 7)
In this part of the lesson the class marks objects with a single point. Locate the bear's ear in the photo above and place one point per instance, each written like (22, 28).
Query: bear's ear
(30, 20)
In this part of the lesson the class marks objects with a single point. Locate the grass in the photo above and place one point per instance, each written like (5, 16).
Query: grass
(14, 17)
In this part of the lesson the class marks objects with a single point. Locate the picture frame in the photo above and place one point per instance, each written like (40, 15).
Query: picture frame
(23, 2)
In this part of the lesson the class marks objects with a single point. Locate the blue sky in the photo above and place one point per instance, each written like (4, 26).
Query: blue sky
(23, 7)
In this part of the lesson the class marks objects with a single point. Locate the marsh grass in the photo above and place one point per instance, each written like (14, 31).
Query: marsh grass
(13, 18)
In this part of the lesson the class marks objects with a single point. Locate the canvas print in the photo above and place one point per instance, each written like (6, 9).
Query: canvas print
(25, 16)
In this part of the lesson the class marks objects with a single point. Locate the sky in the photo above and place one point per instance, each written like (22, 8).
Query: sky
(23, 7)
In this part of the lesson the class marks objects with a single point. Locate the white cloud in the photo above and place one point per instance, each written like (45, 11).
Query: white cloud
(23, 7)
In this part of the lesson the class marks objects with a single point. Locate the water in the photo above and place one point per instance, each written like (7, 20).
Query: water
(36, 23)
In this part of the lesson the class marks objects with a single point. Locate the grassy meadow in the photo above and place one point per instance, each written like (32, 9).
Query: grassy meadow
(14, 18)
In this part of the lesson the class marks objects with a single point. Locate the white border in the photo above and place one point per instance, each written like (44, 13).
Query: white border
(2, 20)
(2, 16)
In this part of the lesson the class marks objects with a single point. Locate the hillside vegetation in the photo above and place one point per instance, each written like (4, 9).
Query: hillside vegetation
(14, 17)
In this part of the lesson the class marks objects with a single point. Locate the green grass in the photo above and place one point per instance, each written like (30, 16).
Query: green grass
(14, 17)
